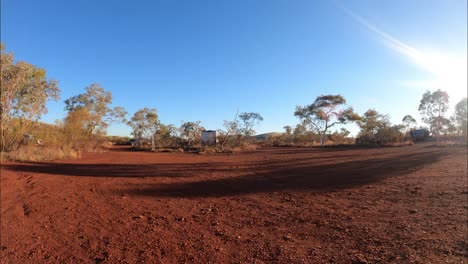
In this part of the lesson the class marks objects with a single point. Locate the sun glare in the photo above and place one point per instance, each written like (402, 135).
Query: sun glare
(449, 72)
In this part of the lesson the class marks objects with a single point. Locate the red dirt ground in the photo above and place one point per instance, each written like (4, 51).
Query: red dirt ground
(274, 205)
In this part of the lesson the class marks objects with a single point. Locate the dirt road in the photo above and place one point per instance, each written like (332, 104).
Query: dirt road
(274, 205)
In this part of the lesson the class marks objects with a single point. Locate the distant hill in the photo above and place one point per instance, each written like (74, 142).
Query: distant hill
(268, 135)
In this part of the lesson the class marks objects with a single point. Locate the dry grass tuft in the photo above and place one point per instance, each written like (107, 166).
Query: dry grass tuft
(209, 150)
(404, 143)
(41, 153)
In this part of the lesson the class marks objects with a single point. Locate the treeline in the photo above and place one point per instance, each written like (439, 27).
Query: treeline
(329, 111)
(147, 130)
(25, 89)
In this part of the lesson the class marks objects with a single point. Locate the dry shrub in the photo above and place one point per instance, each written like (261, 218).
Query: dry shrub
(224, 150)
(245, 147)
(235, 149)
(209, 150)
(400, 144)
(41, 153)
(249, 147)
(107, 144)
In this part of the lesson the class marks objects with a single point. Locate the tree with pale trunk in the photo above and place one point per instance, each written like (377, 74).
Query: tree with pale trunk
(326, 112)
(25, 89)
(190, 131)
(433, 107)
(145, 123)
(97, 102)
(231, 127)
(248, 121)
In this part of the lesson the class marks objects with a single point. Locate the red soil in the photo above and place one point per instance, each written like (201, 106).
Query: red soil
(281, 205)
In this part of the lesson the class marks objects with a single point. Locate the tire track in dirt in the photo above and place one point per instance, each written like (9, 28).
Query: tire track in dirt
(27, 194)
(55, 234)
(63, 246)
(290, 222)
(29, 200)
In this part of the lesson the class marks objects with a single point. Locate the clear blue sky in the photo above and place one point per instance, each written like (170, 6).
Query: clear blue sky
(203, 60)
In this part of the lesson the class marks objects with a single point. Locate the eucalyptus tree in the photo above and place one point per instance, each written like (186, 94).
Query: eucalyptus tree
(248, 121)
(25, 89)
(433, 107)
(377, 129)
(325, 112)
(97, 102)
(288, 130)
(409, 122)
(231, 127)
(190, 131)
(460, 116)
(145, 123)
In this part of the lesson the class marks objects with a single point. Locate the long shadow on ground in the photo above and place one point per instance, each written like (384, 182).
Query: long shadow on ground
(173, 170)
(231, 178)
(303, 177)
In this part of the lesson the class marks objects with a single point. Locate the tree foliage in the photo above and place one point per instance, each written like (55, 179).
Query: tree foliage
(433, 107)
(460, 117)
(231, 126)
(409, 122)
(191, 132)
(145, 123)
(340, 137)
(248, 121)
(372, 121)
(25, 89)
(376, 129)
(239, 129)
(97, 102)
(326, 112)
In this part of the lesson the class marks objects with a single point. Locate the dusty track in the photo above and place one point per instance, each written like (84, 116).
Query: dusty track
(286, 205)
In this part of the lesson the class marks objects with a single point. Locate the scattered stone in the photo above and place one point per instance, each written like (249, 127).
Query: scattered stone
(413, 211)
(219, 232)
(138, 217)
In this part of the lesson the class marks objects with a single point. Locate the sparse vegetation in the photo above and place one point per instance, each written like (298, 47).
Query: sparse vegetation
(26, 89)
(325, 113)
(433, 107)
(376, 129)
(145, 123)
(190, 133)
(460, 118)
